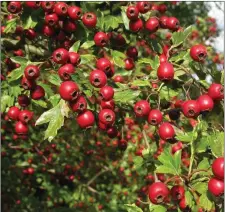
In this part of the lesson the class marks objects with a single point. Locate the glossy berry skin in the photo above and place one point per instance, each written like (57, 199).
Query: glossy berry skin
(48, 31)
(155, 117)
(142, 108)
(101, 39)
(108, 104)
(23, 100)
(13, 113)
(132, 52)
(32, 72)
(143, 6)
(158, 193)
(182, 204)
(190, 108)
(152, 24)
(25, 116)
(162, 8)
(205, 103)
(30, 171)
(37, 93)
(198, 53)
(74, 58)
(14, 7)
(74, 12)
(136, 26)
(60, 56)
(107, 117)
(61, 8)
(215, 91)
(132, 13)
(69, 26)
(129, 64)
(176, 147)
(216, 187)
(104, 65)
(21, 128)
(69, 90)
(177, 192)
(162, 58)
(47, 6)
(30, 34)
(218, 168)
(85, 119)
(165, 71)
(79, 105)
(33, 4)
(163, 21)
(118, 78)
(51, 19)
(89, 20)
(98, 78)
(166, 131)
(65, 71)
(27, 84)
(172, 23)
(106, 93)
(112, 132)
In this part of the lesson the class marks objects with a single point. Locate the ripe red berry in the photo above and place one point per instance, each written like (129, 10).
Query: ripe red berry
(190, 108)
(163, 21)
(112, 132)
(30, 34)
(172, 23)
(118, 78)
(177, 192)
(106, 93)
(216, 187)
(79, 105)
(13, 113)
(23, 100)
(143, 6)
(14, 7)
(47, 6)
(98, 78)
(69, 26)
(136, 26)
(218, 168)
(104, 65)
(48, 31)
(32, 72)
(74, 12)
(132, 52)
(60, 56)
(182, 204)
(51, 19)
(101, 39)
(89, 20)
(129, 64)
(27, 84)
(37, 93)
(152, 24)
(108, 104)
(25, 116)
(69, 90)
(132, 12)
(205, 103)
(74, 58)
(85, 119)
(158, 193)
(162, 58)
(166, 131)
(142, 108)
(176, 147)
(198, 53)
(165, 71)
(155, 117)
(107, 117)
(65, 71)
(30, 170)
(122, 144)
(162, 8)
(33, 4)
(215, 91)
(21, 128)
(61, 8)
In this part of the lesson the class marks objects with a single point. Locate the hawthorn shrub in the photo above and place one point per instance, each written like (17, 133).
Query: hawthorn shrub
(111, 106)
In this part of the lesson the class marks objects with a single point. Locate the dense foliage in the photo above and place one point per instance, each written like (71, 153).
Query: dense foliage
(111, 106)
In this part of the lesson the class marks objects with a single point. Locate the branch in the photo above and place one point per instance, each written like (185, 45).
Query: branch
(145, 138)
(96, 176)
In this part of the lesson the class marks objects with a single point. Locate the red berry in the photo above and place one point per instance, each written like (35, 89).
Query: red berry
(136, 25)
(155, 117)
(198, 53)
(165, 71)
(69, 26)
(79, 105)
(118, 78)
(69, 90)
(177, 192)
(25, 116)
(182, 204)
(132, 52)
(132, 12)
(74, 12)
(216, 187)
(112, 132)
(129, 64)
(98, 78)
(51, 19)
(172, 23)
(101, 39)
(33, 4)
(47, 6)
(37, 93)
(215, 91)
(166, 131)
(65, 71)
(162, 8)
(60, 56)
(205, 103)
(14, 7)
(104, 65)
(102, 126)
(86, 119)
(218, 168)
(61, 8)
(108, 104)
(107, 117)
(152, 24)
(190, 108)
(143, 6)
(18, 52)
(158, 193)
(13, 113)
(89, 20)
(142, 108)
(21, 128)
(106, 93)
(74, 58)
(27, 84)
(48, 31)
(30, 170)
(176, 147)
(30, 34)
(32, 72)
(162, 58)
(122, 144)
(163, 21)
(23, 100)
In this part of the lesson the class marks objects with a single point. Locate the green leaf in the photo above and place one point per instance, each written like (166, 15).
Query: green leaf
(6, 101)
(156, 47)
(141, 83)
(40, 102)
(204, 164)
(157, 208)
(54, 99)
(171, 164)
(54, 79)
(200, 187)
(125, 96)
(138, 161)
(205, 202)
(154, 63)
(189, 199)
(132, 208)
(112, 22)
(87, 58)
(118, 58)
(15, 74)
(186, 137)
(88, 44)
(126, 21)
(167, 93)
(216, 143)
(178, 57)
(10, 26)
(32, 20)
(75, 46)
(55, 118)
